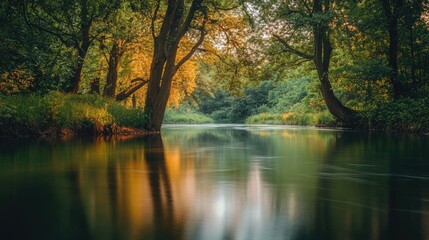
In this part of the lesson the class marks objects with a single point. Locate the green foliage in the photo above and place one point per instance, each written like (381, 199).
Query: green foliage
(224, 108)
(259, 81)
(290, 118)
(322, 119)
(185, 116)
(289, 93)
(406, 114)
(265, 118)
(294, 102)
(34, 114)
(127, 116)
(79, 112)
(22, 112)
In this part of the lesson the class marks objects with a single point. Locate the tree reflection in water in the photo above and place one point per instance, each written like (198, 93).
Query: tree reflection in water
(217, 183)
(160, 188)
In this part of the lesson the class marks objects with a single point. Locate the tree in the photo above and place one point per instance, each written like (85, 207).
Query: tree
(27, 54)
(125, 27)
(310, 22)
(392, 33)
(71, 23)
(176, 22)
(392, 10)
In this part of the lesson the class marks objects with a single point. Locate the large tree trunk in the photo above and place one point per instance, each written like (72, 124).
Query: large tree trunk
(158, 91)
(76, 78)
(115, 55)
(82, 48)
(77, 73)
(391, 10)
(164, 65)
(321, 59)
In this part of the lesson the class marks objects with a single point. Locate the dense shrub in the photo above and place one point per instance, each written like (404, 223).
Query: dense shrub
(26, 114)
(225, 108)
(406, 114)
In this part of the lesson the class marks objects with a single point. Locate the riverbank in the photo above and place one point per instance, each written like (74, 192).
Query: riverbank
(405, 115)
(61, 115)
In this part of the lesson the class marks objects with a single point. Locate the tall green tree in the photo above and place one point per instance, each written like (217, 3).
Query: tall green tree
(304, 29)
(27, 53)
(71, 23)
(390, 32)
(392, 10)
(125, 27)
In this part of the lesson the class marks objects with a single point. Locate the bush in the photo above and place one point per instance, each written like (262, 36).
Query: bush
(406, 114)
(127, 116)
(265, 118)
(22, 112)
(324, 119)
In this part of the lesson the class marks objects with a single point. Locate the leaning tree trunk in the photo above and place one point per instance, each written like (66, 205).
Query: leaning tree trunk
(159, 84)
(322, 58)
(115, 55)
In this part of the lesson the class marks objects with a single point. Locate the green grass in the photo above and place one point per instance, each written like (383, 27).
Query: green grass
(404, 115)
(293, 118)
(177, 116)
(34, 114)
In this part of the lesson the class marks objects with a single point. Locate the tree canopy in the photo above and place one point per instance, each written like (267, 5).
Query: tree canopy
(235, 59)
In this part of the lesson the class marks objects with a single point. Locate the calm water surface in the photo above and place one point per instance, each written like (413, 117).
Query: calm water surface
(217, 182)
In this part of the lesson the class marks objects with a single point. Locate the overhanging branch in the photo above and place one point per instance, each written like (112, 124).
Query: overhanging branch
(293, 50)
(200, 40)
(155, 15)
(54, 33)
(128, 92)
(196, 4)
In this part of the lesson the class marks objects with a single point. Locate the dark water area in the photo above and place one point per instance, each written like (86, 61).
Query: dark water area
(217, 182)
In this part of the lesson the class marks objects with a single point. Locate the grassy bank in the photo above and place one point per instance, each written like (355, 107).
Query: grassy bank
(61, 114)
(57, 114)
(293, 118)
(404, 115)
(182, 116)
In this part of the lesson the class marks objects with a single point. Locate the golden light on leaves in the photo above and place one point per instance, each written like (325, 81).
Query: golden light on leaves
(15, 81)
(139, 63)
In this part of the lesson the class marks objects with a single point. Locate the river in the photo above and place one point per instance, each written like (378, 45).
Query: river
(217, 182)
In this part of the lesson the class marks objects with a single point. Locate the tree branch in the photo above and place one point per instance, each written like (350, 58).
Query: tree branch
(56, 34)
(203, 33)
(217, 7)
(218, 56)
(128, 92)
(293, 50)
(184, 27)
(155, 15)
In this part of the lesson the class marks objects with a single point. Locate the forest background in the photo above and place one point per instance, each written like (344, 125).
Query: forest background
(97, 66)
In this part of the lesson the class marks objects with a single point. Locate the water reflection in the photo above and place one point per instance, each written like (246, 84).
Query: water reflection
(217, 182)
